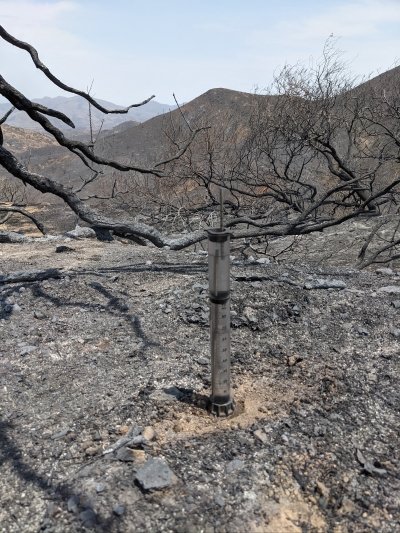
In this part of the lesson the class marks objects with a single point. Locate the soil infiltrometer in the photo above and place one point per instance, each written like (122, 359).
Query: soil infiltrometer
(220, 402)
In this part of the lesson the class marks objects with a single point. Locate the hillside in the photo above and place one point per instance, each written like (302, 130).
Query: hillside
(77, 109)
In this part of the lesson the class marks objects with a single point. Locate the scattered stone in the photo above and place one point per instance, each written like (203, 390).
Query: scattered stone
(170, 394)
(261, 436)
(139, 456)
(395, 332)
(203, 361)
(125, 455)
(27, 349)
(88, 517)
(73, 504)
(362, 331)
(234, 465)
(155, 474)
(396, 304)
(119, 509)
(62, 249)
(16, 308)
(92, 450)
(263, 261)
(148, 433)
(11, 237)
(322, 489)
(178, 427)
(81, 233)
(60, 434)
(100, 487)
(39, 314)
(347, 506)
(219, 500)
(250, 315)
(384, 271)
(389, 289)
(325, 284)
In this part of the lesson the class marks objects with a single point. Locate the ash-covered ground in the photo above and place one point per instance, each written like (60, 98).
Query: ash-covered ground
(104, 373)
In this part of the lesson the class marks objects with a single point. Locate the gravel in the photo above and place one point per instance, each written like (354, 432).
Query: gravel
(93, 372)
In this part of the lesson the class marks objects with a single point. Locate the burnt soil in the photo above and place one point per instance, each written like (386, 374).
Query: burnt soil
(313, 445)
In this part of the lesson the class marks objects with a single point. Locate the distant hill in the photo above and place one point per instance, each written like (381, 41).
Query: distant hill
(78, 110)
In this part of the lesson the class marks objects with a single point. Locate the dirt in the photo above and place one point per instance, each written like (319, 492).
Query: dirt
(313, 445)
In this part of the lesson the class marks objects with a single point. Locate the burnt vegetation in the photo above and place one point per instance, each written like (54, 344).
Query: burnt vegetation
(321, 150)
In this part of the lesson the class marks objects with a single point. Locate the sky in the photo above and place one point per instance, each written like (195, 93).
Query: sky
(132, 49)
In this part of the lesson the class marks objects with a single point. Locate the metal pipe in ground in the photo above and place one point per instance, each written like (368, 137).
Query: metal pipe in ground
(221, 401)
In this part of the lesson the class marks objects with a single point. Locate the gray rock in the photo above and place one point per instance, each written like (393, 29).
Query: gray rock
(395, 332)
(325, 284)
(362, 331)
(235, 464)
(39, 315)
(203, 361)
(100, 487)
(155, 474)
(88, 517)
(81, 233)
(118, 509)
(384, 271)
(389, 289)
(219, 500)
(11, 237)
(62, 249)
(263, 261)
(170, 394)
(27, 349)
(396, 304)
(250, 314)
(72, 504)
(261, 436)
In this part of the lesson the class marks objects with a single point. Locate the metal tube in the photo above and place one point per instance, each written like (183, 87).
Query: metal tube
(221, 402)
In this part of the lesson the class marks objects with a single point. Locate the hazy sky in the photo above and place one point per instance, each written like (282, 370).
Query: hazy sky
(132, 49)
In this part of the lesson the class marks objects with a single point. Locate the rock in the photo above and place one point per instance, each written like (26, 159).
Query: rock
(219, 500)
(170, 394)
(100, 487)
(235, 464)
(179, 427)
(72, 504)
(62, 249)
(88, 517)
(39, 315)
(11, 237)
(395, 332)
(203, 361)
(60, 434)
(155, 474)
(389, 289)
(16, 308)
(263, 261)
(27, 349)
(325, 284)
(384, 271)
(119, 509)
(81, 233)
(395, 304)
(148, 433)
(139, 456)
(261, 436)
(125, 455)
(362, 331)
(250, 315)
(92, 450)
(347, 506)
